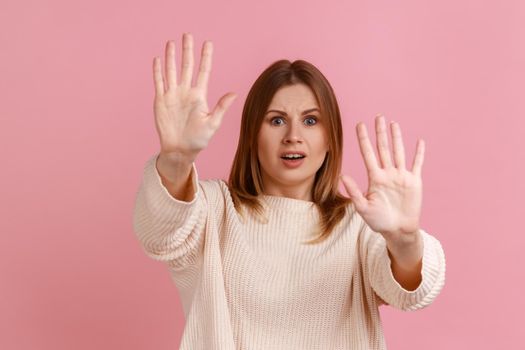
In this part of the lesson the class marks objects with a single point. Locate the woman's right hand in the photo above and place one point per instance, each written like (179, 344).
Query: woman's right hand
(182, 118)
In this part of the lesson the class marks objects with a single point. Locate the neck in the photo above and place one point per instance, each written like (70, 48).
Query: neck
(301, 192)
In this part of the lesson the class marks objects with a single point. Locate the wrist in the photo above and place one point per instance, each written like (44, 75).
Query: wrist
(177, 157)
(174, 169)
(408, 253)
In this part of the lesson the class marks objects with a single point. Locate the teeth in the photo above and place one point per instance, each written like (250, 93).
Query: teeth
(293, 156)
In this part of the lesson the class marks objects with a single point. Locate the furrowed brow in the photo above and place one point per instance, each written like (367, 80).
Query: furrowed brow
(282, 112)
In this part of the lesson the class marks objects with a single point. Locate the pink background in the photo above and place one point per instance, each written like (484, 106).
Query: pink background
(76, 93)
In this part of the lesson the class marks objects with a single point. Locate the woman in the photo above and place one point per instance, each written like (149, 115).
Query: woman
(276, 258)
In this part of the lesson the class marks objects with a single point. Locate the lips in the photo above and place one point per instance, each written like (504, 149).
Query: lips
(293, 163)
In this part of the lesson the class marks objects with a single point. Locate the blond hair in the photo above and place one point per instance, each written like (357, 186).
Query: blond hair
(245, 180)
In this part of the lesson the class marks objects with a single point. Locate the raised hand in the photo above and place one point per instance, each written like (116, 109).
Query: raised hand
(182, 118)
(392, 204)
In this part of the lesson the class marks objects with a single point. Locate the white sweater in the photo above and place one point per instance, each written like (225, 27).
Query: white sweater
(254, 286)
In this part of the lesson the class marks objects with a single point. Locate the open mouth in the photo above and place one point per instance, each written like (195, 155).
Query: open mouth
(293, 158)
(293, 161)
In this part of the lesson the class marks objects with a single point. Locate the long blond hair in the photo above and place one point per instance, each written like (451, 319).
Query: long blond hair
(245, 180)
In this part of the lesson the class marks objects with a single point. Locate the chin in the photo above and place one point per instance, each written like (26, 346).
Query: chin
(295, 180)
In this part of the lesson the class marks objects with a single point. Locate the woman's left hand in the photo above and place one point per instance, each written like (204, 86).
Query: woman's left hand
(392, 204)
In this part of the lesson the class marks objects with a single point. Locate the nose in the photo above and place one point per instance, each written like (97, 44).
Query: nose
(292, 134)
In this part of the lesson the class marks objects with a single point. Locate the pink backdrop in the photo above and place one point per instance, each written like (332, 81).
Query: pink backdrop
(76, 95)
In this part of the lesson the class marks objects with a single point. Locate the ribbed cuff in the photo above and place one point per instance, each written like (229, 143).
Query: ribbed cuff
(160, 202)
(433, 276)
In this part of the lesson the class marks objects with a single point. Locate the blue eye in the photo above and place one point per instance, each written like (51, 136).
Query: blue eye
(314, 119)
(271, 121)
(309, 124)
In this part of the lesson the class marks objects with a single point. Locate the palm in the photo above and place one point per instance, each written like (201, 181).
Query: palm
(394, 201)
(182, 117)
(392, 204)
(179, 103)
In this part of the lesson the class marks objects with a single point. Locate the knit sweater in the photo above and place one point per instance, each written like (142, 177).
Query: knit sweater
(246, 284)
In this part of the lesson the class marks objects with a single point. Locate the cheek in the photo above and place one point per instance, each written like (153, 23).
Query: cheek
(260, 145)
(325, 142)
(262, 151)
(265, 152)
(266, 145)
(321, 141)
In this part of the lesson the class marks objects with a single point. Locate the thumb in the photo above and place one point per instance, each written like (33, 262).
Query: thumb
(220, 108)
(353, 191)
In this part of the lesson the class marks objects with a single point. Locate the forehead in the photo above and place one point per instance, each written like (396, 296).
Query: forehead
(290, 97)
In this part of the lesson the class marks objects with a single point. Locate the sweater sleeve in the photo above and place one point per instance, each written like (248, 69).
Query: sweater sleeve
(168, 229)
(387, 287)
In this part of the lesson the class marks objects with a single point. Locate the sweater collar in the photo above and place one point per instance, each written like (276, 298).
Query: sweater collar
(287, 204)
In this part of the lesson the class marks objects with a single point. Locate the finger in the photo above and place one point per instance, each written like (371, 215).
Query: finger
(419, 157)
(221, 107)
(399, 149)
(157, 77)
(171, 71)
(382, 142)
(205, 65)
(366, 147)
(353, 191)
(187, 60)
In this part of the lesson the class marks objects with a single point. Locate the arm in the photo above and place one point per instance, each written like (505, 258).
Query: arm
(169, 229)
(397, 257)
(407, 261)
(392, 288)
(175, 173)
(170, 210)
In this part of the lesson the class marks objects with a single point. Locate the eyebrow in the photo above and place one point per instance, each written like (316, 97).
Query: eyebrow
(305, 112)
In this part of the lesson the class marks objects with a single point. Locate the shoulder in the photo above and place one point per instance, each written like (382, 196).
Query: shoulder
(218, 199)
(214, 187)
(211, 189)
(216, 192)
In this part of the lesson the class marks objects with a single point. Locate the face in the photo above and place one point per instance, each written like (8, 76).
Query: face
(292, 124)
